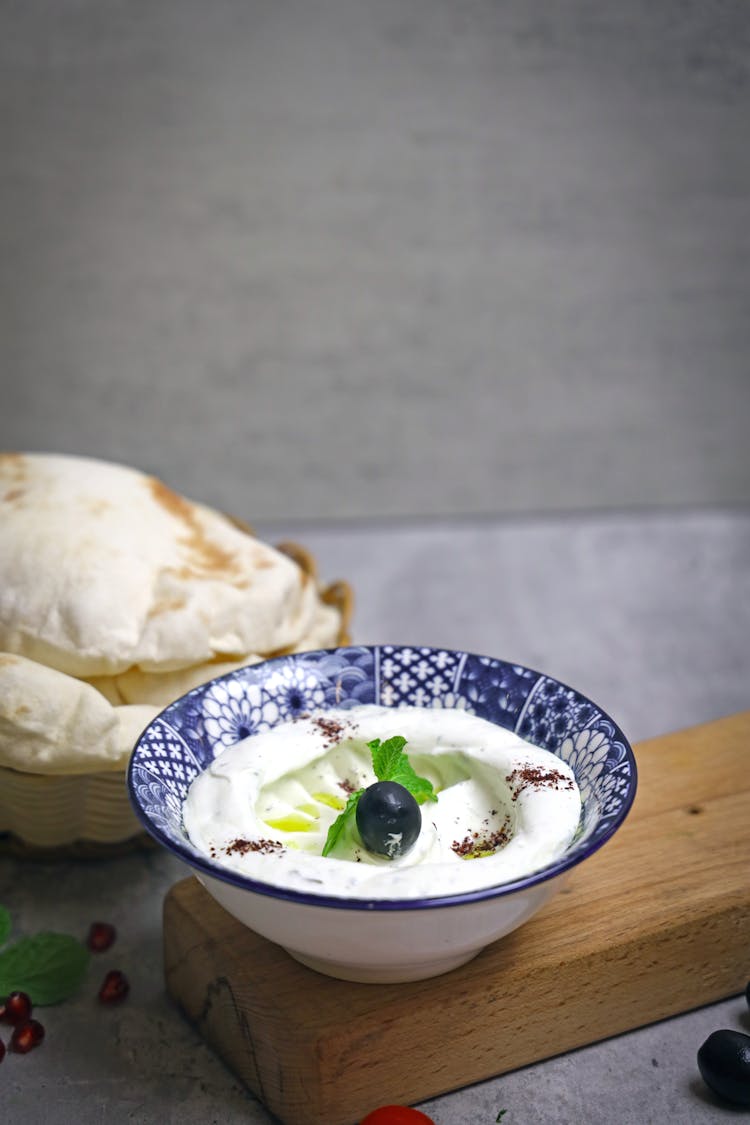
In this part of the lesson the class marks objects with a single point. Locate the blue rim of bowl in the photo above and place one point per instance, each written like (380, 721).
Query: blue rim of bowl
(499, 890)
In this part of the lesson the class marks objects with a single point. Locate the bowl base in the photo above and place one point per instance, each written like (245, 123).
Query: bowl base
(383, 974)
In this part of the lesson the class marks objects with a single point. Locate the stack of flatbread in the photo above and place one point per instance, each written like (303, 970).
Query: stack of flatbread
(117, 595)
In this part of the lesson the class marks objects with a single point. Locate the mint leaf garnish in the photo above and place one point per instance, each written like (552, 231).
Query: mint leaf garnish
(386, 756)
(4, 924)
(339, 824)
(389, 763)
(48, 966)
(419, 787)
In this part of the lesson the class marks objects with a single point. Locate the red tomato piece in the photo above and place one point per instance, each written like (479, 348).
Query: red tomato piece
(396, 1115)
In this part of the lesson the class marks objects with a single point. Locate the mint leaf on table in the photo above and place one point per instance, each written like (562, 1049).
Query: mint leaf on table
(390, 763)
(48, 966)
(339, 824)
(4, 924)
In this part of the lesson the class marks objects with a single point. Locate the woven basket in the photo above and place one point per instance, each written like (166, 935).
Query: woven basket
(89, 816)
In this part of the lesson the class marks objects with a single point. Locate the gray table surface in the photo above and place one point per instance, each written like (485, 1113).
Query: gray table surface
(647, 613)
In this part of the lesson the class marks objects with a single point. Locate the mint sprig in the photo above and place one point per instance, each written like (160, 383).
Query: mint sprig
(339, 824)
(389, 763)
(49, 967)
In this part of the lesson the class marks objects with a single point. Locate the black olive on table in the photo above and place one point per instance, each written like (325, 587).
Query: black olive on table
(724, 1062)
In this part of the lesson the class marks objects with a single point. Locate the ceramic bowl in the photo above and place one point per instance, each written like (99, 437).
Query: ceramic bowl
(381, 940)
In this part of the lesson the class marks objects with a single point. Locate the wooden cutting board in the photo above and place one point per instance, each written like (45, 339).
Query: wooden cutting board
(657, 922)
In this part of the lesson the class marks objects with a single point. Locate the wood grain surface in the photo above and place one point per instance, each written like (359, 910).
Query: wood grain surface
(654, 924)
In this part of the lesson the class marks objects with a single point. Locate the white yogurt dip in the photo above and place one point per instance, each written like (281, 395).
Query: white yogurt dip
(505, 808)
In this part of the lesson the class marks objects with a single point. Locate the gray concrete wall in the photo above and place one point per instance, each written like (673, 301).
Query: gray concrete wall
(353, 258)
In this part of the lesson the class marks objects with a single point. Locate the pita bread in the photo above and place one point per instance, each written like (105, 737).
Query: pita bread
(117, 596)
(103, 568)
(161, 688)
(52, 723)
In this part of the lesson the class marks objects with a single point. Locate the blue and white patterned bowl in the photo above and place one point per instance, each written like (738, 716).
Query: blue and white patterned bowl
(381, 940)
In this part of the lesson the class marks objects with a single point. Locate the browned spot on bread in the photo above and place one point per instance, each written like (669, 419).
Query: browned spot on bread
(13, 461)
(204, 564)
(14, 494)
(171, 501)
(98, 507)
(208, 558)
(183, 572)
(285, 651)
(227, 657)
(167, 605)
(7, 659)
(13, 468)
(204, 558)
(21, 710)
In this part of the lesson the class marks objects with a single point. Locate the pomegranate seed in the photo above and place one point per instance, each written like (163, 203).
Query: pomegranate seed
(101, 936)
(17, 1008)
(26, 1036)
(115, 987)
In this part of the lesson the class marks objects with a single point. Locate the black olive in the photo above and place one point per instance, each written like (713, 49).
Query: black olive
(388, 819)
(724, 1062)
